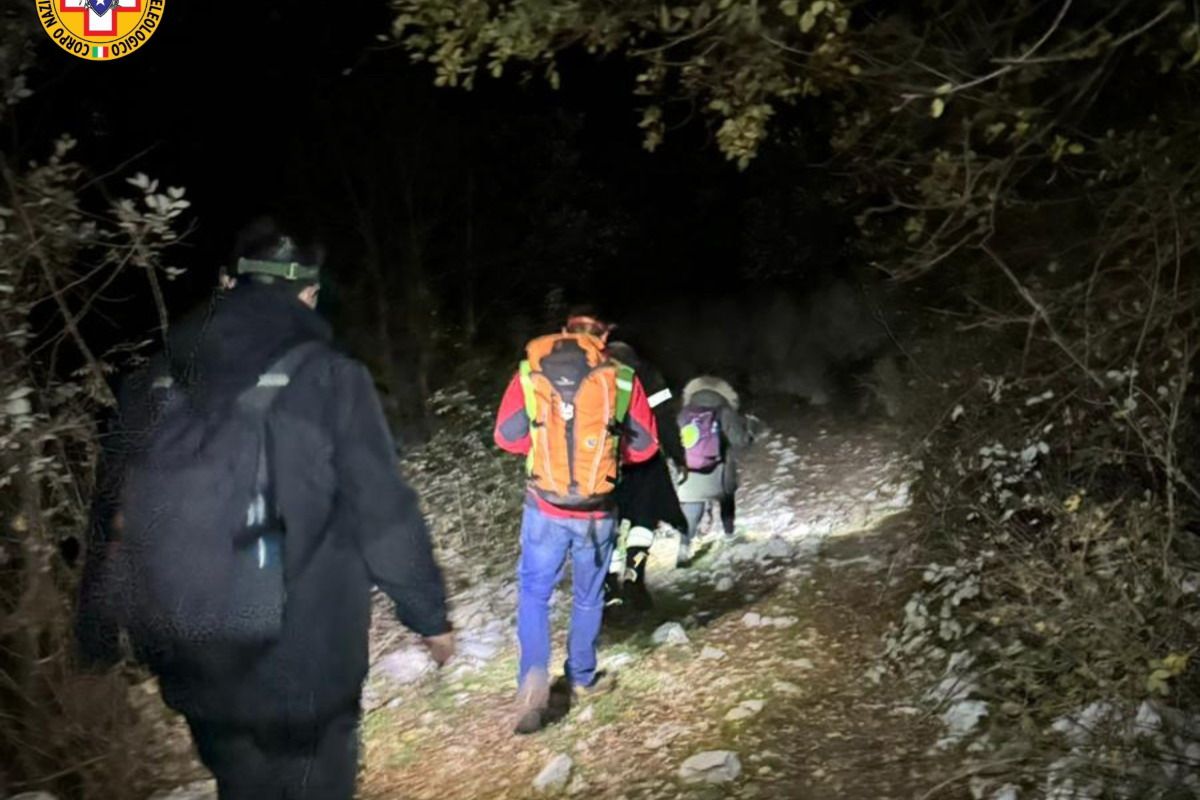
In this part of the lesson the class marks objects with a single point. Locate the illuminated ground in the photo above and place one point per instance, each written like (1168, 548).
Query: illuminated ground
(834, 492)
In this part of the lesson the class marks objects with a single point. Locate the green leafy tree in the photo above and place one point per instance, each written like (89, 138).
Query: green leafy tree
(740, 61)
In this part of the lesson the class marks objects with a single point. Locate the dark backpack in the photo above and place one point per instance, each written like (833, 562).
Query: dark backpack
(700, 434)
(201, 550)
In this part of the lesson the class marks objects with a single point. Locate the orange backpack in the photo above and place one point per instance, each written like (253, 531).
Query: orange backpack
(577, 399)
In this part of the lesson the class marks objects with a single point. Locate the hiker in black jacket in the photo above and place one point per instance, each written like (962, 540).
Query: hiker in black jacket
(646, 494)
(282, 721)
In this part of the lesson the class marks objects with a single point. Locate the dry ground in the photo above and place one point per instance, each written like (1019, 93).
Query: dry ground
(834, 491)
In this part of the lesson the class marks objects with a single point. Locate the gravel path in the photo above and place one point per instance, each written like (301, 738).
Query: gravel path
(748, 679)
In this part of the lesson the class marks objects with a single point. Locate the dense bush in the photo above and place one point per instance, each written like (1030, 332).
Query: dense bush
(1061, 612)
(61, 248)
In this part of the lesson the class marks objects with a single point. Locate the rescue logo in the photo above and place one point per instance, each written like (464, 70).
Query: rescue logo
(100, 30)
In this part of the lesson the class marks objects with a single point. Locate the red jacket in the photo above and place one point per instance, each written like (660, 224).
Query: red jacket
(639, 438)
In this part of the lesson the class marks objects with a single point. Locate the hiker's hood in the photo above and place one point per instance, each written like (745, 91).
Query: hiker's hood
(711, 383)
(221, 350)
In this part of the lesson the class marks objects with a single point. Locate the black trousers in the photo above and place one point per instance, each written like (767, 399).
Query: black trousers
(307, 761)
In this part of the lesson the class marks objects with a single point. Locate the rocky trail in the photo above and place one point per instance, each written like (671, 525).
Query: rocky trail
(750, 678)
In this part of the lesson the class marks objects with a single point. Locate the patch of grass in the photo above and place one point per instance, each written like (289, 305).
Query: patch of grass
(401, 755)
(497, 675)
(444, 700)
(643, 680)
(391, 738)
(377, 724)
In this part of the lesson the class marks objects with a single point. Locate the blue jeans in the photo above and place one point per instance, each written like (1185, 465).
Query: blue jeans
(546, 544)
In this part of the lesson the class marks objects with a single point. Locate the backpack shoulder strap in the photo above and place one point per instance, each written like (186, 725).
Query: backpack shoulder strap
(527, 390)
(258, 398)
(161, 388)
(625, 376)
(286, 366)
(530, 394)
(257, 401)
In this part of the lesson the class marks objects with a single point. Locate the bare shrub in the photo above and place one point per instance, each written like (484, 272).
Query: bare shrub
(80, 734)
(1066, 595)
(471, 494)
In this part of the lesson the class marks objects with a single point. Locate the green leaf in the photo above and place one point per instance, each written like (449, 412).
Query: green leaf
(1176, 663)
(650, 115)
(1058, 148)
(1156, 682)
(937, 107)
(807, 21)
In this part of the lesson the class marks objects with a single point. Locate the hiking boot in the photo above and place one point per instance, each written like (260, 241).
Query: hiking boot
(613, 590)
(601, 685)
(638, 595)
(533, 698)
(683, 556)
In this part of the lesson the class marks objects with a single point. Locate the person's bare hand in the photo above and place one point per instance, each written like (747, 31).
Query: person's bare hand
(441, 647)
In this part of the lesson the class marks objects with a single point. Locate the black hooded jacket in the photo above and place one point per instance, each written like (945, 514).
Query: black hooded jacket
(664, 405)
(352, 522)
(646, 494)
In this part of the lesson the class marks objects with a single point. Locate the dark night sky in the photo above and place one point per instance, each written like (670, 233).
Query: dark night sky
(279, 107)
(224, 100)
